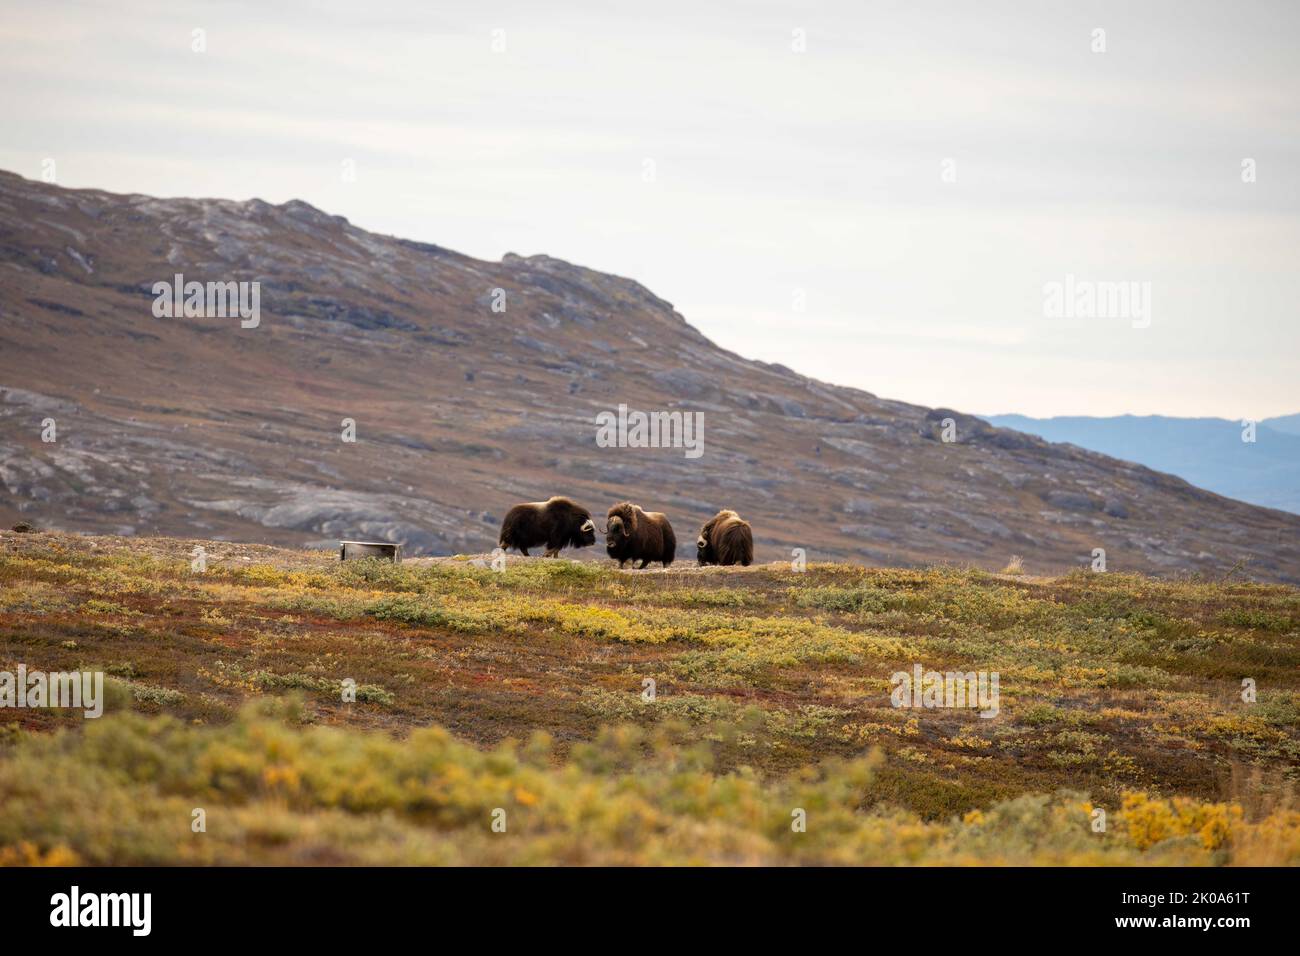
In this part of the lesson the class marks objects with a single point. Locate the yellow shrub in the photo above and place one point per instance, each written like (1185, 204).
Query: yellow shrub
(1149, 821)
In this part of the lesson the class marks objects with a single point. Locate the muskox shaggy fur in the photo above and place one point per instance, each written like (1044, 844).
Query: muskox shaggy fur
(556, 523)
(635, 535)
(726, 538)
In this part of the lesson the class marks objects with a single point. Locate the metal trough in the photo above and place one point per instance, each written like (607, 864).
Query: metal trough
(351, 550)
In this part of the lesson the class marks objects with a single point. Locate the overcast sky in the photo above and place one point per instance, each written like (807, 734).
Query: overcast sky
(792, 205)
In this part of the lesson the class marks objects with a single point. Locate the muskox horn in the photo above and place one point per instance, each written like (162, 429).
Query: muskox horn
(701, 542)
(588, 525)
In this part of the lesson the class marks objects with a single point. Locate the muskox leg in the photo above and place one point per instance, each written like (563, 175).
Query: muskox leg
(523, 551)
(551, 552)
(643, 564)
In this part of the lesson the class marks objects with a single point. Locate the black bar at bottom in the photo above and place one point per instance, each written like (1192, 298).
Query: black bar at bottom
(335, 906)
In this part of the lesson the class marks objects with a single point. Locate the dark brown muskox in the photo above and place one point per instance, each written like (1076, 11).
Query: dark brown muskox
(726, 538)
(556, 523)
(635, 535)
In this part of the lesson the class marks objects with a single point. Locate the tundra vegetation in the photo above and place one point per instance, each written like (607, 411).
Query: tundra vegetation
(528, 691)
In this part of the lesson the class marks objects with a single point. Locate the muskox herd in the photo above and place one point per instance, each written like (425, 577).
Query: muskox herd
(631, 534)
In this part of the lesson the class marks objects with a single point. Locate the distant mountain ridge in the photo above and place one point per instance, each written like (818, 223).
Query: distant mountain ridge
(471, 385)
(1284, 423)
(1208, 452)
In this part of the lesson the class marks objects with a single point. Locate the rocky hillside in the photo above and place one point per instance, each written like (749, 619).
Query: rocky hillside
(197, 426)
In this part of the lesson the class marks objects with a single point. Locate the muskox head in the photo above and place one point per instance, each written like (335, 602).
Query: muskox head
(583, 534)
(620, 526)
(614, 533)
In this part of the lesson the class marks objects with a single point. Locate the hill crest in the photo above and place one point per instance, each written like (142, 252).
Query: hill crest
(198, 427)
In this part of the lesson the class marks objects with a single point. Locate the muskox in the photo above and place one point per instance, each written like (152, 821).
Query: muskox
(726, 538)
(635, 535)
(556, 523)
